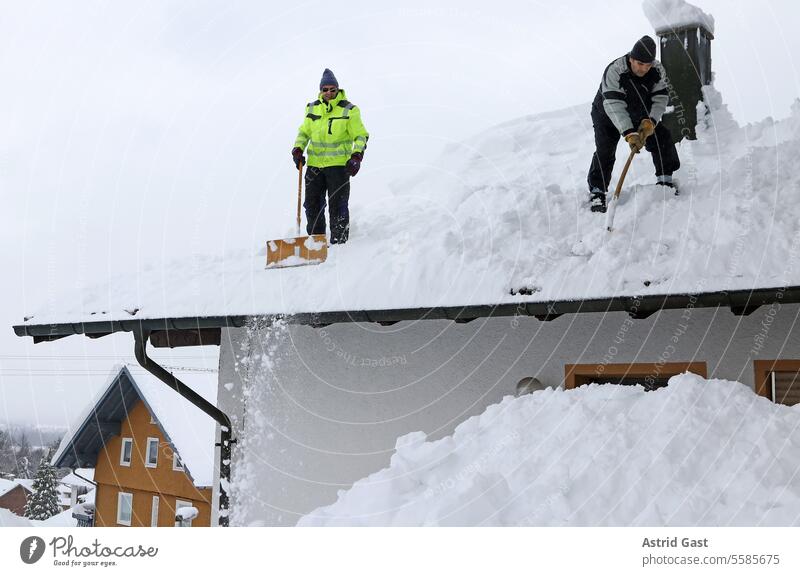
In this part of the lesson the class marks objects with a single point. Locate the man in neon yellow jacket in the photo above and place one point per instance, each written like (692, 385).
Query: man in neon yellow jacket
(336, 140)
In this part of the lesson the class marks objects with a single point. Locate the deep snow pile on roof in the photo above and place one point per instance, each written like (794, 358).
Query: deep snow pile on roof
(509, 209)
(191, 431)
(699, 452)
(665, 15)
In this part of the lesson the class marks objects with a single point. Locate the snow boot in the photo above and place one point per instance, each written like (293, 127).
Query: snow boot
(666, 180)
(597, 200)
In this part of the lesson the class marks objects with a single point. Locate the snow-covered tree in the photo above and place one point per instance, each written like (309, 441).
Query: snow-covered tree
(8, 464)
(22, 456)
(43, 503)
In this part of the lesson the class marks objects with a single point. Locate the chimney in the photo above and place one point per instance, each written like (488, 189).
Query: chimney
(685, 33)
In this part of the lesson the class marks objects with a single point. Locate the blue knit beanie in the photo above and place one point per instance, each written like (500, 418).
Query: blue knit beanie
(328, 79)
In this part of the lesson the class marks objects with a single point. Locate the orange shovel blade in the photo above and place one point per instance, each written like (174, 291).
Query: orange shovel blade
(299, 251)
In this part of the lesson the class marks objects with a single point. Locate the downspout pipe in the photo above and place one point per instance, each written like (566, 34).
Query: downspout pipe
(92, 482)
(226, 430)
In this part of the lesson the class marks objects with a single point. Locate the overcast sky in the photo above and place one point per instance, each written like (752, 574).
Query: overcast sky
(134, 133)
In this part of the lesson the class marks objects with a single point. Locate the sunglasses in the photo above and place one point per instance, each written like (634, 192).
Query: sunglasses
(333, 89)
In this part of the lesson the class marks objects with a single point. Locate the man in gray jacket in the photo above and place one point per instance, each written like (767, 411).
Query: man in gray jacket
(632, 98)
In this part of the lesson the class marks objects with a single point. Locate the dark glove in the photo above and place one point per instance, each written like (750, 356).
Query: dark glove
(297, 156)
(635, 141)
(354, 163)
(646, 128)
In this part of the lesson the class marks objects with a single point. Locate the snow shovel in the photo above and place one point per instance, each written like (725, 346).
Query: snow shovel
(301, 250)
(612, 206)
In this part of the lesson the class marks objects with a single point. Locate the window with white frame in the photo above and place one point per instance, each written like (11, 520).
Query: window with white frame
(124, 508)
(176, 462)
(182, 522)
(125, 452)
(154, 512)
(152, 453)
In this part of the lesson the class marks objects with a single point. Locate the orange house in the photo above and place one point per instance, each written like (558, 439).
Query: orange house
(152, 451)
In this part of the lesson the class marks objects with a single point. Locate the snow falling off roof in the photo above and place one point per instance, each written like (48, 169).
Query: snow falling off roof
(509, 209)
(667, 15)
(697, 453)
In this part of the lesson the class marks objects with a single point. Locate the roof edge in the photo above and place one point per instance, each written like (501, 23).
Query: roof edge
(741, 302)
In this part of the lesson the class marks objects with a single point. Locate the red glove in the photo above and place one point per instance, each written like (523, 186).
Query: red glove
(354, 164)
(297, 156)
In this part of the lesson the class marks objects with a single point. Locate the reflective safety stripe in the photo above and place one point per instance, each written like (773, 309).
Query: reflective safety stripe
(327, 154)
(360, 143)
(346, 107)
(329, 144)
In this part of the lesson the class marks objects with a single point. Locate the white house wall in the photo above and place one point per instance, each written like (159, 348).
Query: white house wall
(317, 409)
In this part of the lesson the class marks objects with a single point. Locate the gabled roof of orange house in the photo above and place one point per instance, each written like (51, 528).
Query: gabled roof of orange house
(190, 432)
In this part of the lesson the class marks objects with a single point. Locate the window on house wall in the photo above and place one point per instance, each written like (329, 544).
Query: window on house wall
(178, 505)
(154, 512)
(124, 508)
(176, 462)
(649, 375)
(152, 453)
(125, 452)
(778, 380)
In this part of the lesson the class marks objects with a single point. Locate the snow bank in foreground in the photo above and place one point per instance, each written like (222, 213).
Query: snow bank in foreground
(62, 520)
(699, 452)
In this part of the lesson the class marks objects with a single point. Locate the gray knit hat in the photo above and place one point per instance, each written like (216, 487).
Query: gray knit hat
(328, 79)
(644, 50)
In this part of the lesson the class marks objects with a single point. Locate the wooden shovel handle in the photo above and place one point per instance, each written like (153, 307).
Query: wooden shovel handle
(624, 172)
(299, 193)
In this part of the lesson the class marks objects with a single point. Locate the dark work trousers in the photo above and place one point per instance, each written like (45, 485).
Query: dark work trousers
(336, 183)
(606, 138)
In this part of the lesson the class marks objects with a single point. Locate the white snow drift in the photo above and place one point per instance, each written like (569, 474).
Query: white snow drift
(699, 452)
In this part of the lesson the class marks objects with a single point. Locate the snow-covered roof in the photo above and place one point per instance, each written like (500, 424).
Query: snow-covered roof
(505, 210)
(26, 483)
(190, 431)
(72, 479)
(666, 15)
(698, 452)
(6, 485)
